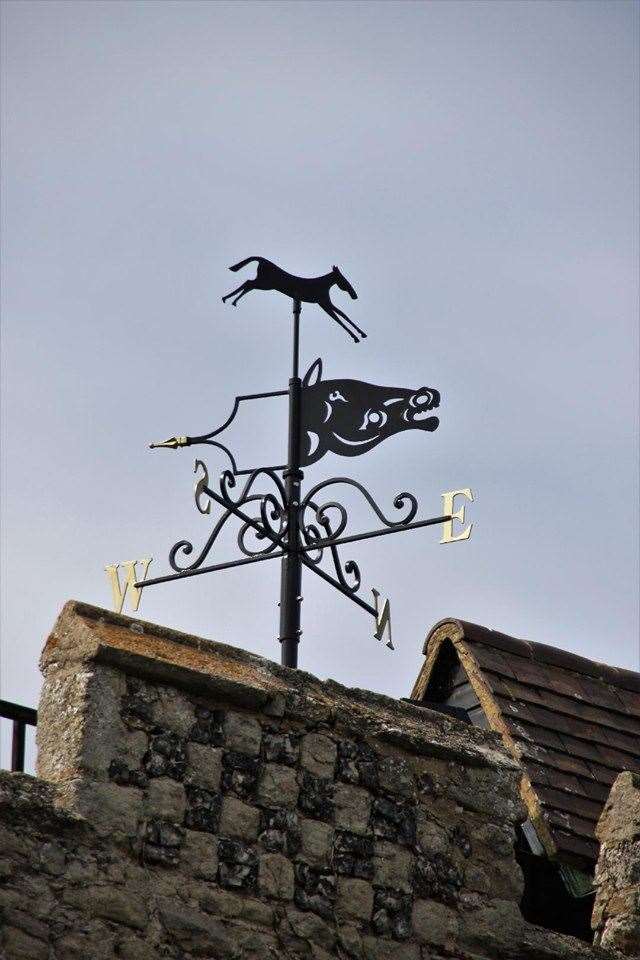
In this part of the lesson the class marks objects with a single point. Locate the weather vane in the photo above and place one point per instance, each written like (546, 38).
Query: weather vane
(278, 520)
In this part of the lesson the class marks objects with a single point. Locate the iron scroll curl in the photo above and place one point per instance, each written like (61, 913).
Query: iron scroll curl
(311, 535)
(399, 502)
(272, 507)
(323, 516)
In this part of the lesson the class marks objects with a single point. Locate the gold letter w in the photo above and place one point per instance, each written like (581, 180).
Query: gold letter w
(130, 580)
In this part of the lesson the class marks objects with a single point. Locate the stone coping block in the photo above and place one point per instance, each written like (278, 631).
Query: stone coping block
(84, 633)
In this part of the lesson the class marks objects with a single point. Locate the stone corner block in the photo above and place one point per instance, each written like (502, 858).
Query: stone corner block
(318, 754)
(354, 900)
(395, 776)
(275, 876)
(392, 866)
(80, 729)
(278, 786)
(352, 808)
(113, 811)
(204, 766)
(165, 798)
(238, 819)
(434, 923)
(242, 734)
(316, 839)
(200, 854)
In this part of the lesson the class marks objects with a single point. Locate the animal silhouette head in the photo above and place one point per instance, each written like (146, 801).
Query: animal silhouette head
(343, 283)
(350, 417)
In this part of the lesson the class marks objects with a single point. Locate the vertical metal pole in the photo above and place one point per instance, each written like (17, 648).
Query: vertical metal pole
(291, 568)
(17, 746)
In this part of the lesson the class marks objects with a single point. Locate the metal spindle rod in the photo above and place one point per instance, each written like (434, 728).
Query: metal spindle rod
(291, 568)
(184, 574)
(354, 538)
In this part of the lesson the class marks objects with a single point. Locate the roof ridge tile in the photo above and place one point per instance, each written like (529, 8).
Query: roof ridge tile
(544, 653)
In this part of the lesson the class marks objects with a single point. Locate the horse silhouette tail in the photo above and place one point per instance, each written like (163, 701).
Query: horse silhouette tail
(243, 263)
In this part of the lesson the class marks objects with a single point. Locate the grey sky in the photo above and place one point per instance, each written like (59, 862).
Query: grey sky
(471, 167)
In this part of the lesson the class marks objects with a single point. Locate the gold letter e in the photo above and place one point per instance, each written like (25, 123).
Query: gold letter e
(448, 511)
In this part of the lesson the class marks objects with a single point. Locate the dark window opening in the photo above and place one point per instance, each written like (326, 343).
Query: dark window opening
(546, 900)
(449, 688)
(443, 674)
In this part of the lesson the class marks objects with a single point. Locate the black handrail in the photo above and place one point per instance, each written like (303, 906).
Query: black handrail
(21, 717)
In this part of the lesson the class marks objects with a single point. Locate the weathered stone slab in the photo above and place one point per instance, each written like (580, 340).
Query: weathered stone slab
(435, 924)
(108, 903)
(194, 930)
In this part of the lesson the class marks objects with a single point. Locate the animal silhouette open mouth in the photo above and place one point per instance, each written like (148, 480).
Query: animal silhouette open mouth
(349, 417)
(420, 406)
(416, 414)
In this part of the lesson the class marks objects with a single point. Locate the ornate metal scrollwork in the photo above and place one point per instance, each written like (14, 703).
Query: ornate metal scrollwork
(311, 535)
(399, 502)
(320, 523)
(332, 519)
(272, 508)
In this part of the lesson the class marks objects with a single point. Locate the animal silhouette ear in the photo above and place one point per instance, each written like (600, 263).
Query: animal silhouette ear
(313, 374)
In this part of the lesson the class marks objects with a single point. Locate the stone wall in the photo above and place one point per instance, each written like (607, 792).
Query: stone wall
(195, 801)
(616, 913)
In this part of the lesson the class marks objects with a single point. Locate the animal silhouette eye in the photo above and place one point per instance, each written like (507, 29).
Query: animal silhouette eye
(336, 395)
(375, 418)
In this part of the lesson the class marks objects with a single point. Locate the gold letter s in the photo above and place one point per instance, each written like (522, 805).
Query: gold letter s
(198, 489)
(448, 511)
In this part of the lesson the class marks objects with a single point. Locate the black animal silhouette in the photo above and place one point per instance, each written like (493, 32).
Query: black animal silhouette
(350, 417)
(308, 289)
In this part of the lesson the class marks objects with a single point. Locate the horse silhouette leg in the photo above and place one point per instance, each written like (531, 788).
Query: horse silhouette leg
(247, 288)
(329, 309)
(237, 290)
(349, 320)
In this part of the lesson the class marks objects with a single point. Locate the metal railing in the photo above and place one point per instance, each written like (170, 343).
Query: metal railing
(22, 717)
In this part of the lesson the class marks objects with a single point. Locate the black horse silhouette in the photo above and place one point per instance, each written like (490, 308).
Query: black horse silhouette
(308, 289)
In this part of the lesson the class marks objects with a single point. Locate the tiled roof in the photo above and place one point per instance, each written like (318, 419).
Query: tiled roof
(573, 723)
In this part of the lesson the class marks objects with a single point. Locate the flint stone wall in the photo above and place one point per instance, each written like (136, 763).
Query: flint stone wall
(196, 801)
(616, 913)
